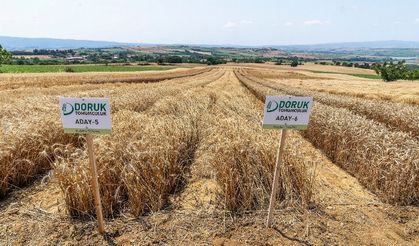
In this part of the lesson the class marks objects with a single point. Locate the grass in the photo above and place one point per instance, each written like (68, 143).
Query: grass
(78, 68)
(366, 76)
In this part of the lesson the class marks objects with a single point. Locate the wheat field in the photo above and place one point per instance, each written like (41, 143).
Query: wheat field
(189, 160)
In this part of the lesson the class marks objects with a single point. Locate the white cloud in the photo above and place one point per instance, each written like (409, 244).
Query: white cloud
(315, 22)
(397, 22)
(230, 24)
(246, 22)
(417, 20)
(234, 24)
(288, 23)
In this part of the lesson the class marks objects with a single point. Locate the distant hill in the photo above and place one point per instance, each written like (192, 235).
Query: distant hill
(17, 43)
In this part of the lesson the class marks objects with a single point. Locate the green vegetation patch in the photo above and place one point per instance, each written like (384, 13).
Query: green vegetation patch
(367, 76)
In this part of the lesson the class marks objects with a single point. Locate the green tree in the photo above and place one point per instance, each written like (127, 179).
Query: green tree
(215, 60)
(413, 75)
(376, 67)
(279, 62)
(294, 63)
(4, 55)
(390, 71)
(174, 59)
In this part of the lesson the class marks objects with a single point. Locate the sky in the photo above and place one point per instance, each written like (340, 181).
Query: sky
(244, 22)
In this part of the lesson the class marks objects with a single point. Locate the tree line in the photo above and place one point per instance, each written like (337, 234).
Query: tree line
(5, 56)
(391, 71)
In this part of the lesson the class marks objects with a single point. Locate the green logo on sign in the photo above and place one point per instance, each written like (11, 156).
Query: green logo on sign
(67, 109)
(272, 106)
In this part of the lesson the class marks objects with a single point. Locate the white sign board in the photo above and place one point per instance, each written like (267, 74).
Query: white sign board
(86, 115)
(287, 112)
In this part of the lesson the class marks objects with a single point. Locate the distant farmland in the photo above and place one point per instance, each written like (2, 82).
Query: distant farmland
(78, 68)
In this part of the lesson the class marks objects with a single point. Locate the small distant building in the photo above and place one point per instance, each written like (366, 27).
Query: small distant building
(76, 58)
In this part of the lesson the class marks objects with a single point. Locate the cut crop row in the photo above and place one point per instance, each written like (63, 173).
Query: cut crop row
(243, 154)
(399, 116)
(49, 80)
(30, 129)
(385, 161)
(146, 158)
(406, 92)
(141, 163)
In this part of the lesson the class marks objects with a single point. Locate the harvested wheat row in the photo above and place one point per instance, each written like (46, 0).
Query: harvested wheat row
(26, 144)
(140, 164)
(386, 162)
(400, 92)
(143, 161)
(244, 159)
(278, 74)
(10, 96)
(28, 152)
(395, 115)
(29, 143)
(243, 154)
(134, 166)
(142, 101)
(14, 81)
(135, 97)
(230, 102)
(150, 153)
